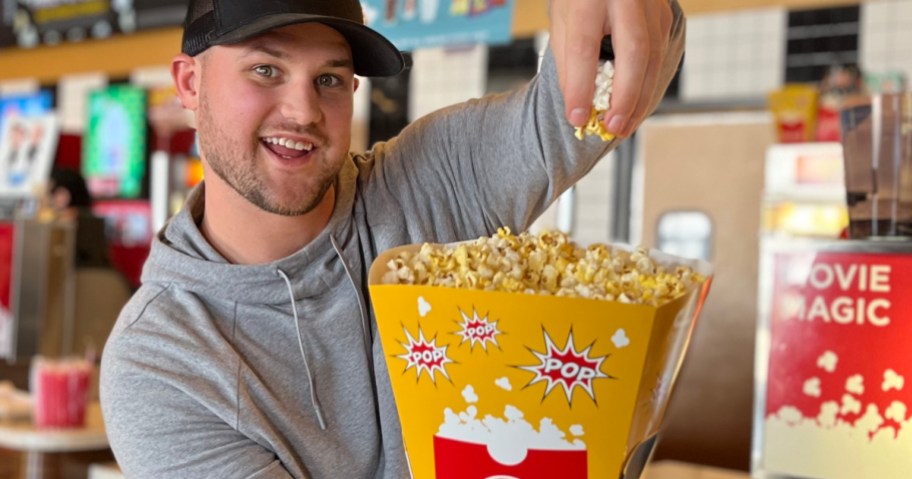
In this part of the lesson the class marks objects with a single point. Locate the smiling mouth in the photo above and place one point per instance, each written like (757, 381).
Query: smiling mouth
(286, 147)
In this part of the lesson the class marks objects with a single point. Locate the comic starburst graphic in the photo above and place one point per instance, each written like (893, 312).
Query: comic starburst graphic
(424, 356)
(567, 368)
(477, 330)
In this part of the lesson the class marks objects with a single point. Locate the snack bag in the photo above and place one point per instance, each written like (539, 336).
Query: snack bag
(794, 108)
(530, 379)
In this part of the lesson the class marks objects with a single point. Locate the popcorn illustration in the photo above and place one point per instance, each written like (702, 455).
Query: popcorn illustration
(892, 381)
(468, 447)
(828, 412)
(469, 394)
(504, 383)
(896, 412)
(423, 307)
(812, 387)
(850, 405)
(827, 361)
(620, 339)
(871, 421)
(855, 384)
(790, 415)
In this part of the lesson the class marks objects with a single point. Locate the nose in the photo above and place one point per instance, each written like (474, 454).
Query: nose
(300, 103)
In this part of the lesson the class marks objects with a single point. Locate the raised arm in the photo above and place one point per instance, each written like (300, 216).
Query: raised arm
(500, 160)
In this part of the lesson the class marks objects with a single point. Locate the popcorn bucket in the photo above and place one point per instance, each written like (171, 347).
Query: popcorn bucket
(512, 385)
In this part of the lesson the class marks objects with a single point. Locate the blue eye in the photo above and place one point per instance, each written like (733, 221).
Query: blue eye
(265, 70)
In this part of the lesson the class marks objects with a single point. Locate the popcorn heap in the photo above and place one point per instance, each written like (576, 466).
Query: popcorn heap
(604, 80)
(548, 264)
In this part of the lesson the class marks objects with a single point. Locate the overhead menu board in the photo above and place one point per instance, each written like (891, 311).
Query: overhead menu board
(411, 24)
(29, 23)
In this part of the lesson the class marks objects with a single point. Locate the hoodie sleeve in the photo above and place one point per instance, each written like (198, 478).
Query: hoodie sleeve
(499, 160)
(162, 419)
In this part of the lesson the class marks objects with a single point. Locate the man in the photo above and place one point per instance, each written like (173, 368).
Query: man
(250, 350)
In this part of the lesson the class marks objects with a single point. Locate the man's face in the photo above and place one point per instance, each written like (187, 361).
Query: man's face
(18, 135)
(274, 115)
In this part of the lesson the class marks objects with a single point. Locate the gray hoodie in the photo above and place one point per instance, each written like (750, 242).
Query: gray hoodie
(217, 370)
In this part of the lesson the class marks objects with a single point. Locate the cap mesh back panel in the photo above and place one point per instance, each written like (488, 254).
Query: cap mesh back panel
(200, 22)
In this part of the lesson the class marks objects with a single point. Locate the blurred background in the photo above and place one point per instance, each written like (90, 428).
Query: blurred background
(745, 146)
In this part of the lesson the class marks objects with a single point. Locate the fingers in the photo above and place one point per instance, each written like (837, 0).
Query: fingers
(557, 33)
(576, 36)
(631, 39)
(658, 23)
(640, 31)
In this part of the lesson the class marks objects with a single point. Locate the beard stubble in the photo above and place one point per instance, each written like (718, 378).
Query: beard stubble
(225, 157)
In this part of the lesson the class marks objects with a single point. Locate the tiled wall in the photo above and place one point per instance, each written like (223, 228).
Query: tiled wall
(444, 76)
(734, 55)
(886, 36)
(742, 54)
(593, 196)
(589, 219)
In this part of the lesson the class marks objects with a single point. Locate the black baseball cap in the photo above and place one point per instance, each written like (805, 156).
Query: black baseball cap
(223, 22)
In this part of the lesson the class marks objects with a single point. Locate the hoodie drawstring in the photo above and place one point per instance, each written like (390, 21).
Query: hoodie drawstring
(310, 379)
(365, 320)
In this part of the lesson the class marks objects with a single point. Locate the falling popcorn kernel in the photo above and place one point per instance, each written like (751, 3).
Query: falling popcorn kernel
(601, 101)
(547, 264)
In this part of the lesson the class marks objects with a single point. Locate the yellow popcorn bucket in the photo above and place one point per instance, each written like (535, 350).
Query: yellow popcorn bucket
(512, 385)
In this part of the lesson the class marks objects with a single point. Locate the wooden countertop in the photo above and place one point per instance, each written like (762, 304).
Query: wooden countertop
(23, 436)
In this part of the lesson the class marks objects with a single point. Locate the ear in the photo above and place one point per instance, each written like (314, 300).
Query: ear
(357, 84)
(185, 70)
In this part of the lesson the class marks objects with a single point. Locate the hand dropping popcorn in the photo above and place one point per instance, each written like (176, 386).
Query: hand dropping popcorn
(547, 264)
(601, 101)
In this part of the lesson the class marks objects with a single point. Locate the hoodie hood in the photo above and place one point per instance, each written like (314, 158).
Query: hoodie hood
(181, 255)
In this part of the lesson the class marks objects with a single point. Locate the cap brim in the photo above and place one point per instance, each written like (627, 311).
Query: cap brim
(372, 53)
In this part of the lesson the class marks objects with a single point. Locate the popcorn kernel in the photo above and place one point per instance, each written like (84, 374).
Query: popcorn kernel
(548, 264)
(601, 101)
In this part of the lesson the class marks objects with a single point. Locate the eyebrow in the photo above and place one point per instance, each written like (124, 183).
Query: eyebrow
(260, 45)
(340, 63)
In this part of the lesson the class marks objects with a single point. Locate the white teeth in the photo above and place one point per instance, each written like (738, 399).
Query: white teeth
(291, 144)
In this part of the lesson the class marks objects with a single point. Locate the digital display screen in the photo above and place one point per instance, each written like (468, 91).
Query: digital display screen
(28, 105)
(114, 147)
